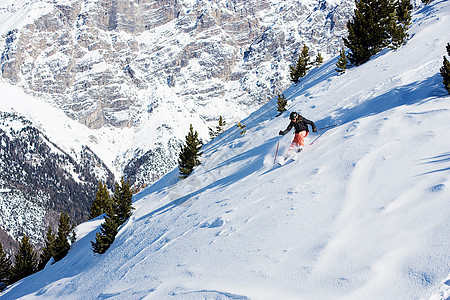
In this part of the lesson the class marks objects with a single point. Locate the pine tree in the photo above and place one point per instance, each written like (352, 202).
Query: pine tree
(403, 11)
(62, 245)
(282, 102)
(5, 266)
(399, 35)
(400, 22)
(219, 128)
(302, 66)
(102, 202)
(106, 236)
(120, 212)
(122, 200)
(319, 60)
(25, 260)
(445, 70)
(49, 249)
(190, 154)
(370, 30)
(341, 64)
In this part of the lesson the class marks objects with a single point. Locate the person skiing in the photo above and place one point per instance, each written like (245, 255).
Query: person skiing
(301, 131)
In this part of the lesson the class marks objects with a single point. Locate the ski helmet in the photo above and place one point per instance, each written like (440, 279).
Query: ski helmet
(293, 115)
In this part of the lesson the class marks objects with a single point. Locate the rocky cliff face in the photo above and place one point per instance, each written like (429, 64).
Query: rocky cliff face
(102, 61)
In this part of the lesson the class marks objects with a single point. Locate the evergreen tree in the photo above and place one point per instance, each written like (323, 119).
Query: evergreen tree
(341, 64)
(399, 35)
(219, 128)
(190, 154)
(102, 202)
(106, 236)
(120, 212)
(302, 66)
(445, 70)
(49, 249)
(403, 11)
(370, 30)
(5, 266)
(122, 200)
(282, 102)
(319, 60)
(25, 260)
(62, 245)
(400, 22)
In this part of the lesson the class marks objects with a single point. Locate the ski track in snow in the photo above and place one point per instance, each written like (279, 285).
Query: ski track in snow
(361, 214)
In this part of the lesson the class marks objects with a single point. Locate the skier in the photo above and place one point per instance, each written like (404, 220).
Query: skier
(301, 131)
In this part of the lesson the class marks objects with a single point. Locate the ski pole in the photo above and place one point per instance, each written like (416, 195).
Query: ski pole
(322, 133)
(328, 127)
(276, 152)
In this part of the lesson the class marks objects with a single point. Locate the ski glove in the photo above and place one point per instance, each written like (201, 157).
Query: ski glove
(315, 130)
(281, 132)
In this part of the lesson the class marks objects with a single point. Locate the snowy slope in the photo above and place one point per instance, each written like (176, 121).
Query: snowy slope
(362, 214)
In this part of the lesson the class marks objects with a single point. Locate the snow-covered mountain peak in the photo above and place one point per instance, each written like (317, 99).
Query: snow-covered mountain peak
(155, 66)
(361, 214)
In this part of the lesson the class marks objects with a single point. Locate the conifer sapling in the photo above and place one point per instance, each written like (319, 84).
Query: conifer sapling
(319, 60)
(190, 154)
(341, 64)
(282, 102)
(445, 70)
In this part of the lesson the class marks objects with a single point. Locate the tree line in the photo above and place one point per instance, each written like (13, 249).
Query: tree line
(376, 24)
(27, 261)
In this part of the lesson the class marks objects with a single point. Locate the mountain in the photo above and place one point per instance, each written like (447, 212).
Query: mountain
(361, 214)
(39, 180)
(157, 66)
(135, 74)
